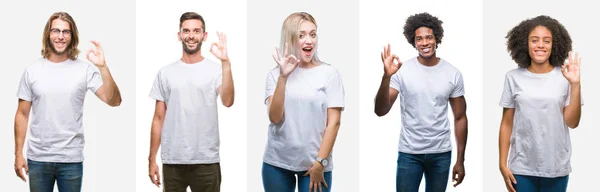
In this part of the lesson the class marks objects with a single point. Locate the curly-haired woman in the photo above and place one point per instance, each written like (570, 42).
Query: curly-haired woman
(541, 100)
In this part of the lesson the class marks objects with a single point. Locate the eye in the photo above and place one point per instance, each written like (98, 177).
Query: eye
(301, 36)
(313, 35)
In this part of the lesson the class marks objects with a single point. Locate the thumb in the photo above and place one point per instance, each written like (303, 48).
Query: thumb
(512, 179)
(307, 172)
(26, 169)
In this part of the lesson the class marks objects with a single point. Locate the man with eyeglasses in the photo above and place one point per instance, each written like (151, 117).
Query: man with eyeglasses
(185, 119)
(54, 89)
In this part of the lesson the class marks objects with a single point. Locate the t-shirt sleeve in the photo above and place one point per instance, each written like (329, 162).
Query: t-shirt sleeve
(568, 100)
(334, 90)
(507, 100)
(158, 91)
(24, 92)
(270, 85)
(218, 80)
(459, 87)
(94, 79)
(395, 81)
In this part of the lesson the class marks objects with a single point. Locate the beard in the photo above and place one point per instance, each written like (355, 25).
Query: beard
(191, 51)
(56, 52)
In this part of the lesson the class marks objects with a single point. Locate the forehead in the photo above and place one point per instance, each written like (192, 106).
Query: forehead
(191, 24)
(60, 24)
(423, 31)
(540, 31)
(307, 26)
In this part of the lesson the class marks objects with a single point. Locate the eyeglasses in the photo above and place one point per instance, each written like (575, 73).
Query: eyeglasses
(57, 32)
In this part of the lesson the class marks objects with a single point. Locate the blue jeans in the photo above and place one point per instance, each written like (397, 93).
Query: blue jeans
(411, 168)
(541, 184)
(42, 175)
(276, 179)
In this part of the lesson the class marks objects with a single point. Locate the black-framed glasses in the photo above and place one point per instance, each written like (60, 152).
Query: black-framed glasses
(65, 32)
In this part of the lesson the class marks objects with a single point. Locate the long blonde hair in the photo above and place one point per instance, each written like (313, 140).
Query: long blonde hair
(290, 32)
(71, 50)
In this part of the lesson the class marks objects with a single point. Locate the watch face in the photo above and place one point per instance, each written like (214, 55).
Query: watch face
(324, 162)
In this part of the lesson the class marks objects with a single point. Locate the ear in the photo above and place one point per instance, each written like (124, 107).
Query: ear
(179, 36)
(204, 36)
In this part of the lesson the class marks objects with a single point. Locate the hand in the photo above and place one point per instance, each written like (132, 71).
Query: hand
(389, 67)
(221, 47)
(154, 173)
(571, 68)
(316, 177)
(458, 173)
(21, 164)
(509, 179)
(96, 55)
(287, 63)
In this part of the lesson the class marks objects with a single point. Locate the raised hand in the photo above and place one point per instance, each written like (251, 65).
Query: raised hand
(287, 63)
(96, 55)
(571, 68)
(389, 66)
(219, 49)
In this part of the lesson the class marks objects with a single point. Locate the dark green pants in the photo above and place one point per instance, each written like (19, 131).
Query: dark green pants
(199, 177)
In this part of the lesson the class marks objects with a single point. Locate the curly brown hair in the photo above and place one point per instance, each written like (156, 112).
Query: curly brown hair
(423, 20)
(518, 42)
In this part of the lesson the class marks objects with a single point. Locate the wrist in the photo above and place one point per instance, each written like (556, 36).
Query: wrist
(576, 84)
(225, 61)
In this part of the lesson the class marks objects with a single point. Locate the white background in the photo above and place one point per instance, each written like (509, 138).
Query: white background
(584, 139)
(157, 46)
(109, 132)
(337, 28)
(382, 22)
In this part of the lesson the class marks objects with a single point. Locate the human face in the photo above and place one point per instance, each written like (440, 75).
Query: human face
(307, 41)
(540, 45)
(191, 35)
(60, 36)
(425, 42)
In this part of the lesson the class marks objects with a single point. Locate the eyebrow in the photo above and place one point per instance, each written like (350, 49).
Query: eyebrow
(302, 31)
(539, 37)
(191, 28)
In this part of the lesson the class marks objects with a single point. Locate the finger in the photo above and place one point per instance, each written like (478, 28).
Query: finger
(388, 50)
(97, 45)
(212, 45)
(87, 54)
(398, 62)
(511, 188)
(20, 173)
(383, 54)
(382, 60)
(296, 61)
(307, 173)
(158, 178)
(512, 179)
(224, 39)
(319, 187)
(325, 183)
(310, 186)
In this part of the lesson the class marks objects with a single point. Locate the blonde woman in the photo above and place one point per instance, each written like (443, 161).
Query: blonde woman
(305, 97)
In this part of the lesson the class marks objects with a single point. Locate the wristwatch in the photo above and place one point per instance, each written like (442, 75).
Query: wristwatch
(323, 161)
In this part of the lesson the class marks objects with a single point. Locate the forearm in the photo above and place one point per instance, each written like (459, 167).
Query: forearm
(277, 101)
(382, 100)
(573, 111)
(227, 90)
(504, 144)
(329, 139)
(21, 121)
(461, 133)
(112, 93)
(155, 139)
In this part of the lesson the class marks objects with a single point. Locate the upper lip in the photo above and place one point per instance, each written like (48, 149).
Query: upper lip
(307, 47)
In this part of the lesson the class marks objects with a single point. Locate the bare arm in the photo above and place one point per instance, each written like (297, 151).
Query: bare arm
(109, 91)
(331, 131)
(157, 124)
(506, 128)
(572, 112)
(226, 89)
(277, 100)
(385, 98)
(21, 121)
(459, 108)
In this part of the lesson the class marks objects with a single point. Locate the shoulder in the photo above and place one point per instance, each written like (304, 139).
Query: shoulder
(515, 72)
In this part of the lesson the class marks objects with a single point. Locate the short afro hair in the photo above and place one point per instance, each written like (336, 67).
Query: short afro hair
(518, 40)
(423, 20)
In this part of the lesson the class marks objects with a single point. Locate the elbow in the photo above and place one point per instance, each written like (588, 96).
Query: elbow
(573, 125)
(274, 119)
(228, 103)
(115, 103)
(380, 113)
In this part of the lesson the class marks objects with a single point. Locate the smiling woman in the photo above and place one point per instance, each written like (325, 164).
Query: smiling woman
(541, 100)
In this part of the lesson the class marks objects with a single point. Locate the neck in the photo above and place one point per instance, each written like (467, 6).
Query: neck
(192, 58)
(55, 58)
(431, 61)
(540, 67)
(310, 64)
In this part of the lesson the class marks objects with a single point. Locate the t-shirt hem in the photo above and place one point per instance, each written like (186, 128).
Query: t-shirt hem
(506, 105)
(296, 169)
(24, 97)
(56, 160)
(424, 151)
(179, 161)
(540, 174)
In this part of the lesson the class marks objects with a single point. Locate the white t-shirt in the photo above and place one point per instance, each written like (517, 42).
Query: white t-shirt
(540, 144)
(57, 92)
(190, 133)
(294, 142)
(424, 92)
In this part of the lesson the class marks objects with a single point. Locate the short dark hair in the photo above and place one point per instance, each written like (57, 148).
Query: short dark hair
(192, 15)
(518, 40)
(423, 20)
